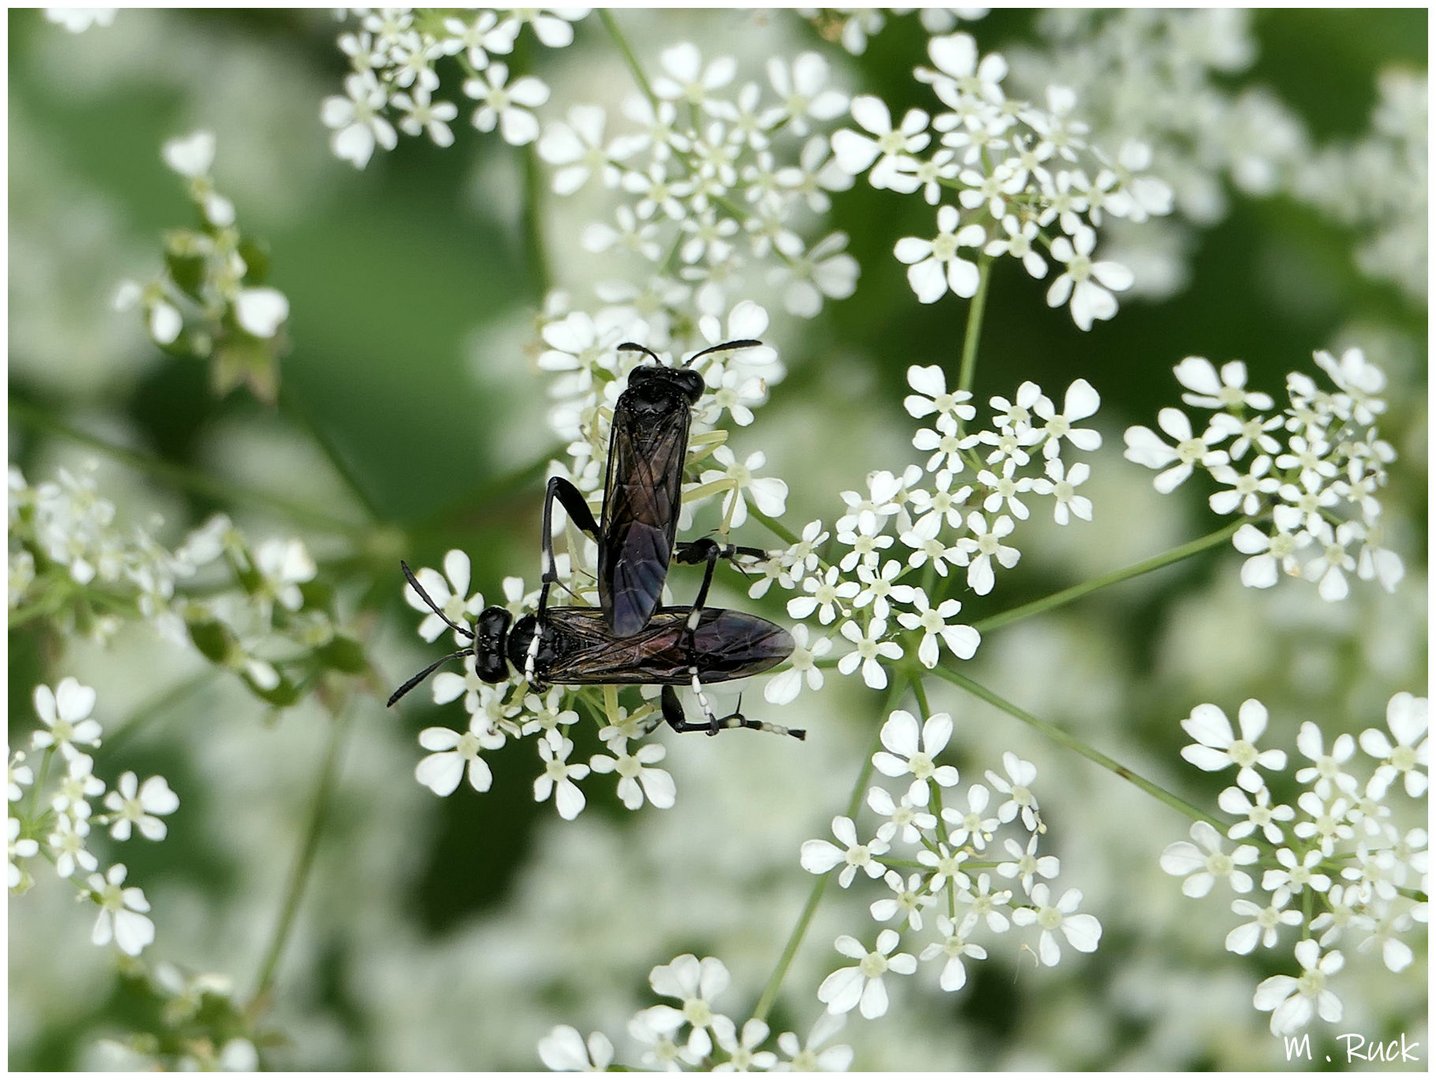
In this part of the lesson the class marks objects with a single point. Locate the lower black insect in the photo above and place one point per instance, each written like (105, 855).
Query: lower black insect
(574, 646)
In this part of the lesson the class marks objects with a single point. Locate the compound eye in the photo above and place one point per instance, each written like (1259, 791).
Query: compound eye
(689, 383)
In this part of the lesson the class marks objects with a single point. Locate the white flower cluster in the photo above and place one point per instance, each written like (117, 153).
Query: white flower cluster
(1019, 172)
(77, 19)
(53, 810)
(72, 561)
(958, 510)
(1337, 865)
(1315, 467)
(717, 180)
(211, 302)
(951, 844)
(511, 710)
(1379, 183)
(394, 53)
(693, 1035)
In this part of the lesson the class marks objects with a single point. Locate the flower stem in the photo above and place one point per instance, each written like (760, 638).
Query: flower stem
(800, 929)
(181, 475)
(1063, 738)
(304, 861)
(611, 25)
(968, 371)
(1076, 592)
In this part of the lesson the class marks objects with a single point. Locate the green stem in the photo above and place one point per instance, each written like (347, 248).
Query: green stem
(1071, 742)
(180, 475)
(304, 861)
(534, 191)
(611, 25)
(800, 929)
(1076, 592)
(968, 371)
(773, 525)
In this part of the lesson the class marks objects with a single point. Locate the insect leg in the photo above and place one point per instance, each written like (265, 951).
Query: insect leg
(574, 504)
(673, 714)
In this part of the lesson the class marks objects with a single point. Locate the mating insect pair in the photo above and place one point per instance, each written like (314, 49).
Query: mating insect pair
(629, 639)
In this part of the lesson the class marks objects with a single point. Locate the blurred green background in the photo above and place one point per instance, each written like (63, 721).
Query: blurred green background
(413, 285)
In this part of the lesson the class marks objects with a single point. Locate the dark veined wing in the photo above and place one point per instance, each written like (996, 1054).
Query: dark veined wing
(727, 645)
(640, 511)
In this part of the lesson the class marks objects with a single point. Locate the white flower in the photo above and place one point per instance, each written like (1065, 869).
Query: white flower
(815, 1055)
(1406, 720)
(77, 20)
(1202, 868)
(423, 114)
(1062, 485)
(1026, 863)
(1257, 812)
(68, 844)
(1089, 284)
(1017, 786)
(686, 78)
(1146, 448)
(65, 712)
(961, 640)
(972, 826)
(803, 90)
(911, 896)
(955, 944)
(855, 152)
(769, 494)
(984, 547)
(661, 1050)
(358, 120)
(934, 266)
(73, 793)
(861, 986)
(903, 818)
(505, 106)
(20, 848)
(784, 687)
(1326, 768)
(1081, 931)
(122, 913)
(825, 270)
(933, 396)
(442, 770)
(1264, 925)
(449, 592)
(1291, 1001)
(553, 26)
(912, 751)
(1295, 874)
(820, 856)
(1217, 747)
(868, 645)
(577, 148)
(260, 311)
(192, 155)
(696, 984)
(1080, 402)
(1224, 390)
(558, 776)
(637, 774)
(18, 777)
(826, 595)
(283, 565)
(1272, 554)
(136, 804)
(742, 1049)
(1362, 381)
(563, 1050)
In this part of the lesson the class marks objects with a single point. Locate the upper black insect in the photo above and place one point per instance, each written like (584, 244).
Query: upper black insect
(647, 445)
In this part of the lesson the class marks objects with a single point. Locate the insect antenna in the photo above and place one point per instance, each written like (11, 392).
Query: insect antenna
(417, 679)
(409, 574)
(633, 346)
(745, 343)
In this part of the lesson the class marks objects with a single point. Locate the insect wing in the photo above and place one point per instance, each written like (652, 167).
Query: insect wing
(726, 645)
(640, 510)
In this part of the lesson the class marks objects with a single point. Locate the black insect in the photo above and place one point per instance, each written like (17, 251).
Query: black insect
(576, 647)
(647, 445)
